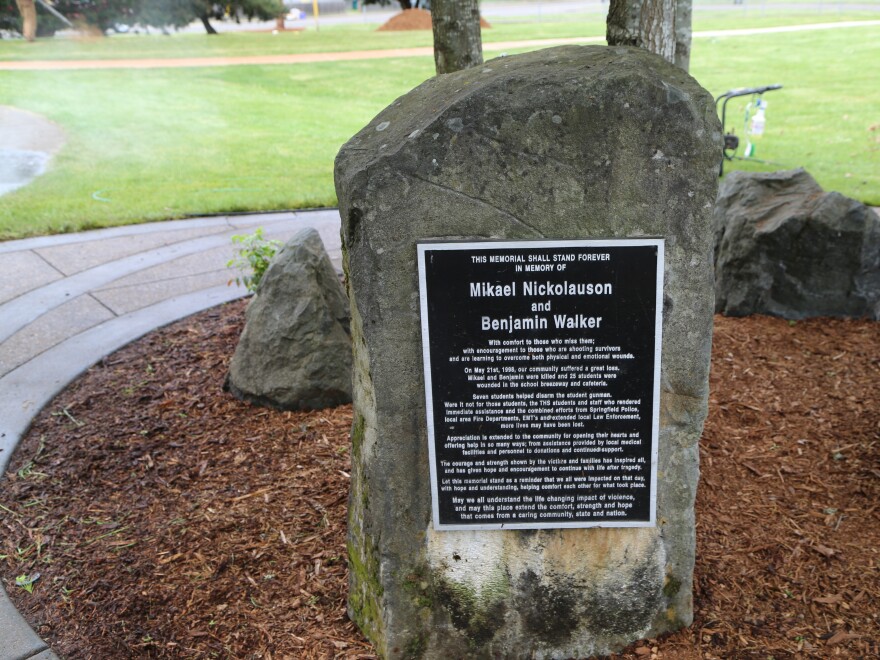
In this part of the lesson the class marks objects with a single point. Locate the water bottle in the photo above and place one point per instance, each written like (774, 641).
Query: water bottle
(756, 126)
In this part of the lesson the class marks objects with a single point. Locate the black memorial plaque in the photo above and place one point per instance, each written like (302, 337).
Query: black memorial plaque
(542, 381)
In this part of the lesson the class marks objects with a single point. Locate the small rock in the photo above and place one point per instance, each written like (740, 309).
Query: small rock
(295, 350)
(785, 247)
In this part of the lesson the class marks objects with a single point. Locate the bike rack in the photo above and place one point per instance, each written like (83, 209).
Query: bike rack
(731, 141)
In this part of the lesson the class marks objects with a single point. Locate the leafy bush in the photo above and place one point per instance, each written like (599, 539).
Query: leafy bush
(254, 257)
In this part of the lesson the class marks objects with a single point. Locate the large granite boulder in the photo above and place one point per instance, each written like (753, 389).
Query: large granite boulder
(295, 350)
(785, 247)
(562, 144)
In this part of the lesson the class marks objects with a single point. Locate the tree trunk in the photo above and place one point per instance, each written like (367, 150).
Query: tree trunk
(457, 41)
(660, 26)
(683, 33)
(208, 27)
(405, 4)
(28, 12)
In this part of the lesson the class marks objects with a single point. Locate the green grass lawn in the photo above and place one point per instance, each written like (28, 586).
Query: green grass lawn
(163, 143)
(154, 144)
(827, 116)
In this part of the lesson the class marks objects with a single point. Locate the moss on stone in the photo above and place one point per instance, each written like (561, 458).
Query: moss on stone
(675, 621)
(416, 648)
(550, 612)
(357, 436)
(672, 586)
(478, 615)
(365, 592)
(358, 485)
(417, 584)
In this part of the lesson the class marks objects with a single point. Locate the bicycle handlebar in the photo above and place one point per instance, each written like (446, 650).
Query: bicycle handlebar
(745, 91)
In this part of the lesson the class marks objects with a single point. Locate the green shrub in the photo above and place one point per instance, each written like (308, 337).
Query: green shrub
(253, 258)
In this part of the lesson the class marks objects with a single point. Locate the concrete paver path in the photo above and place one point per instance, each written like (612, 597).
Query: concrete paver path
(67, 301)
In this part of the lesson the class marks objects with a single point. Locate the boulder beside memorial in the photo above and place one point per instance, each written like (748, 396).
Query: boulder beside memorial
(295, 350)
(785, 247)
(521, 159)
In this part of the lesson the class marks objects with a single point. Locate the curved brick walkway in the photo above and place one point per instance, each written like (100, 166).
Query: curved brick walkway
(67, 301)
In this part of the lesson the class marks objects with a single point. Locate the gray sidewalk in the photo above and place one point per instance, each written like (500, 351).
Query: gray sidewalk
(67, 301)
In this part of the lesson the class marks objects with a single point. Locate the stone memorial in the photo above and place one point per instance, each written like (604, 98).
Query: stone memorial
(528, 250)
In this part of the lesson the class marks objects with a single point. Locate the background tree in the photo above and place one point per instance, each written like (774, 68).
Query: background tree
(102, 14)
(179, 13)
(167, 13)
(661, 26)
(28, 18)
(404, 4)
(106, 14)
(457, 40)
(683, 12)
(13, 17)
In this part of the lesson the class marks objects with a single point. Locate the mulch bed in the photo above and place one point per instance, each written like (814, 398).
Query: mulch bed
(415, 19)
(167, 519)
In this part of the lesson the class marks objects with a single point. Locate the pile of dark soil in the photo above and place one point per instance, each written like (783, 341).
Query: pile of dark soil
(415, 19)
(166, 519)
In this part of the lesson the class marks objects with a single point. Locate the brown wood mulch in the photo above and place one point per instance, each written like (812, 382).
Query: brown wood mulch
(415, 19)
(166, 519)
